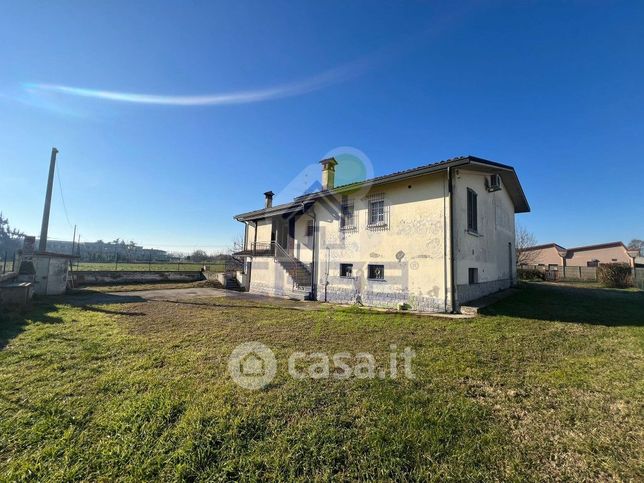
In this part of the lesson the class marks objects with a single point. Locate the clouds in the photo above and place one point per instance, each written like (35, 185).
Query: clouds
(305, 86)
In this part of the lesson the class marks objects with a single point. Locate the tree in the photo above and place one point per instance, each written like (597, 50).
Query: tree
(636, 244)
(198, 256)
(10, 238)
(238, 243)
(525, 239)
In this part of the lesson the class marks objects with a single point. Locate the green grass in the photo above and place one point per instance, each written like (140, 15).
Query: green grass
(143, 266)
(546, 385)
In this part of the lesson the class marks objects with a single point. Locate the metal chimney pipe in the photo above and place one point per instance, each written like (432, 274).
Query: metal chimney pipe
(42, 244)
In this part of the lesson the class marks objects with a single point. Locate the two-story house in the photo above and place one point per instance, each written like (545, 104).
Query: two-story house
(430, 238)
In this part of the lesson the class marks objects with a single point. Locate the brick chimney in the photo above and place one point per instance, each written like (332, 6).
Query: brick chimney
(269, 199)
(328, 173)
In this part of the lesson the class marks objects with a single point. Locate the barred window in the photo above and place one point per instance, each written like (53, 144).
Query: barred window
(346, 269)
(376, 272)
(347, 219)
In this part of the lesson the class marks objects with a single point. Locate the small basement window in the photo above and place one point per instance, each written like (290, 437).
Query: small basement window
(473, 275)
(346, 270)
(376, 272)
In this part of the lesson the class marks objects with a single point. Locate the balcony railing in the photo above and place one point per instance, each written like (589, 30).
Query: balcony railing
(258, 249)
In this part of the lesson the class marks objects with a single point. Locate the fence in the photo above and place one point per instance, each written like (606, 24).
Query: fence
(583, 274)
(151, 266)
(7, 264)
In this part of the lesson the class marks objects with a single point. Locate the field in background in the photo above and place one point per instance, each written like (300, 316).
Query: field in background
(152, 266)
(546, 386)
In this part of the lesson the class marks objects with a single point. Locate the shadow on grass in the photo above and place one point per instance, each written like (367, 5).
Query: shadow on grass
(565, 303)
(14, 319)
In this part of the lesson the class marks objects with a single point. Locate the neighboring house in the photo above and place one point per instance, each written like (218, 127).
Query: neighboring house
(552, 255)
(431, 237)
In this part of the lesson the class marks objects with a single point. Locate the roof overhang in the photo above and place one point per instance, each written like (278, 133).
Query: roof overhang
(507, 173)
(286, 210)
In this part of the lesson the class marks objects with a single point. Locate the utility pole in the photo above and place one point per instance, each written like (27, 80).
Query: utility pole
(42, 245)
(73, 239)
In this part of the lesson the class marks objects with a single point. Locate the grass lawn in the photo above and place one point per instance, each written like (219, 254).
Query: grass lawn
(546, 385)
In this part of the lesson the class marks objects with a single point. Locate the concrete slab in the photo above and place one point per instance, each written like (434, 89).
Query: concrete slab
(473, 307)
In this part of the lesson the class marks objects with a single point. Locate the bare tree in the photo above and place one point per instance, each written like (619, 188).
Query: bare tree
(636, 244)
(238, 243)
(525, 239)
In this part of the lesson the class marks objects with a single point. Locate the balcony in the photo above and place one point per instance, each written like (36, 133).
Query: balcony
(258, 249)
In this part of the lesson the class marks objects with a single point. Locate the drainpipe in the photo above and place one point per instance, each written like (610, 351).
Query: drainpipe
(313, 265)
(451, 239)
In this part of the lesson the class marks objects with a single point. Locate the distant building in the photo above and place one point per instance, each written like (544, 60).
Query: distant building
(553, 254)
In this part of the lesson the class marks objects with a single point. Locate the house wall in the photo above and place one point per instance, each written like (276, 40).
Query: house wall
(412, 248)
(303, 245)
(615, 254)
(491, 250)
(544, 256)
(269, 278)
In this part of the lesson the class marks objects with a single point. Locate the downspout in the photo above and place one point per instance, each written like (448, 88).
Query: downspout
(451, 240)
(252, 259)
(313, 265)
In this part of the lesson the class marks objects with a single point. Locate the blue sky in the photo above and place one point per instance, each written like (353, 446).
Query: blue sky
(553, 88)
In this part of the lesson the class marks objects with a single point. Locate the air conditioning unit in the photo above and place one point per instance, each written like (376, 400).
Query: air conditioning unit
(493, 183)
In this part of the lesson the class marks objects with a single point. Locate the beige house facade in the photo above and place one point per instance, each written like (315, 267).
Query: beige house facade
(429, 238)
(551, 255)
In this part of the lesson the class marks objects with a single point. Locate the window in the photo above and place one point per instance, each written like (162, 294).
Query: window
(473, 275)
(592, 263)
(346, 270)
(376, 272)
(553, 266)
(376, 212)
(346, 214)
(309, 228)
(472, 211)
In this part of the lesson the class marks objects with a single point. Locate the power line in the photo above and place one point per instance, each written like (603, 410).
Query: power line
(60, 188)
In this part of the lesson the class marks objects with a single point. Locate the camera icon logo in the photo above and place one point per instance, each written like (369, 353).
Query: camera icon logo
(252, 365)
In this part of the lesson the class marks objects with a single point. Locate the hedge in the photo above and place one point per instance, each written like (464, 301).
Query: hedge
(530, 274)
(615, 275)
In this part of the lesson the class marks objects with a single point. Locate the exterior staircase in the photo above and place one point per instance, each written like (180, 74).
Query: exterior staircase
(232, 284)
(299, 271)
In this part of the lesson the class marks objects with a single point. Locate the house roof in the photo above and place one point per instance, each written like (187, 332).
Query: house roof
(567, 252)
(598, 246)
(544, 246)
(507, 173)
(283, 209)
